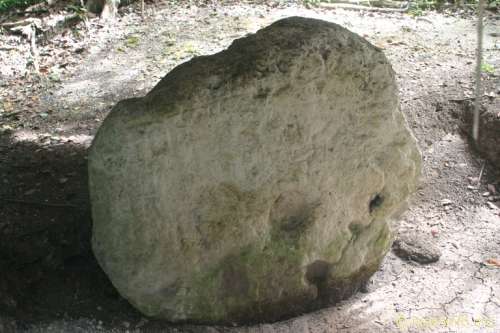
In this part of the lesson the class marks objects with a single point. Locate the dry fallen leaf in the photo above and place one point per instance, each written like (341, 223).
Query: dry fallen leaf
(473, 179)
(492, 205)
(446, 202)
(493, 262)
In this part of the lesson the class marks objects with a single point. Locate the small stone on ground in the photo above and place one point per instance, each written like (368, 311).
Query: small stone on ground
(416, 247)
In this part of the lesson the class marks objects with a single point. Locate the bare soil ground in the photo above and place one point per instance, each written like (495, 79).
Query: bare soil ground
(49, 279)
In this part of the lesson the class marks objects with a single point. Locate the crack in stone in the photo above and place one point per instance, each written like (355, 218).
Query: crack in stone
(478, 271)
(490, 300)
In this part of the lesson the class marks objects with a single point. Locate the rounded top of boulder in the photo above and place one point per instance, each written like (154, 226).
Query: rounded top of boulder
(269, 51)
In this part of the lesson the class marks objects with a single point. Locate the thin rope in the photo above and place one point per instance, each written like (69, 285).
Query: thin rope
(479, 62)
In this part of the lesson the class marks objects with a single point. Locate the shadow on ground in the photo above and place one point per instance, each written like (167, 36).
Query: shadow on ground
(46, 263)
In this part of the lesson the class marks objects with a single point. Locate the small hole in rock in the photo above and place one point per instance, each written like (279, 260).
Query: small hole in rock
(375, 202)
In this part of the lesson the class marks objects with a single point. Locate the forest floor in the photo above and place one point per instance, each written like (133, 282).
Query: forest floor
(49, 279)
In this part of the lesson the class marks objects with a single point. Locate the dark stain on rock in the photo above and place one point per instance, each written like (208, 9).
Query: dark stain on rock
(262, 92)
(325, 54)
(339, 289)
(234, 279)
(290, 215)
(317, 274)
(355, 229)
(332, 292)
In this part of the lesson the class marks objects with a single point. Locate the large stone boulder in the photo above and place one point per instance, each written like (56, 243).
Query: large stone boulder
(256, 183)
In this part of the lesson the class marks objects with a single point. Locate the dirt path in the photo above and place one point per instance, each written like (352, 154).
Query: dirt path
(53, 284)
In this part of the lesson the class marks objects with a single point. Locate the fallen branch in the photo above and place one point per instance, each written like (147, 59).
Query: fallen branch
(11, 114)
(27, 28)
(424, 20)
(39, 8)
(39, 203)
(356, 7)
(461, 100)
(372, 3)
(35, 11)
(21, 23)
(481, 173)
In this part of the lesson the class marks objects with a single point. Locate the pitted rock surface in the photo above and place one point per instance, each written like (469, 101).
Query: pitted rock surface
(256, 183)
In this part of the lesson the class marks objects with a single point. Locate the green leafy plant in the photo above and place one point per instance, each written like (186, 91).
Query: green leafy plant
(312, 2)
(132, 41)
(415, 11)
(487, 68)
(6, 5)
(77, 9)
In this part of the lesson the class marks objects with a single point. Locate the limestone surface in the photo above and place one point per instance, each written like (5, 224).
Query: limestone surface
(256, 183)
